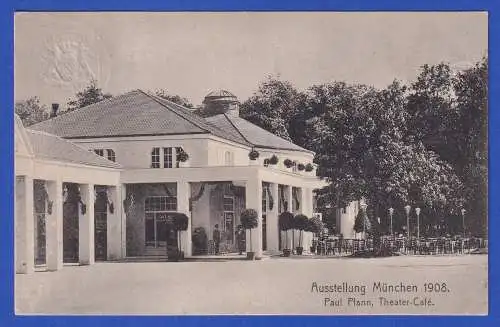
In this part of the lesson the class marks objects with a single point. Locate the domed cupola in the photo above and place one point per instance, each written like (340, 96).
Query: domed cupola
(220, 102)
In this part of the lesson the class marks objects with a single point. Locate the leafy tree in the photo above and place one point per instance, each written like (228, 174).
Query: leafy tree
(272, 106)
(469, 133)
(174, 98)
(31, 111)
(90, 95)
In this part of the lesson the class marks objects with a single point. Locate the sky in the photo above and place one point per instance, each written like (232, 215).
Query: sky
(191, 54)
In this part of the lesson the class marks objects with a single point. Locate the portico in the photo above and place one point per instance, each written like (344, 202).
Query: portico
(195, 189)
(45, 167)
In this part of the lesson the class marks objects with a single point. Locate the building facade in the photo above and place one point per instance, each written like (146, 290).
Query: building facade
(151, 157)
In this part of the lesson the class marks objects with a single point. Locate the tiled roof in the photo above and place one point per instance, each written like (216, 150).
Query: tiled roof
(132, 114)
(253, 134)
(137, 113)
(47, 146)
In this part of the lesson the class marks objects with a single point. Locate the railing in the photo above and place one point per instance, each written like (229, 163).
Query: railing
(430, 246)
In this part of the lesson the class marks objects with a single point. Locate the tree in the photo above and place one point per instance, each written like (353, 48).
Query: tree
(90, 95)
(272, 106)
(30, 111)
(470, 134)
(174, 98)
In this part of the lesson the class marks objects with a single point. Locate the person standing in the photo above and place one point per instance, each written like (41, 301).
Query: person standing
(240, 239)
(216, 238)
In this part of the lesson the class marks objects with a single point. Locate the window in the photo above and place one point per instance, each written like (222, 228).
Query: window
(168, 158)
(228, 158)
(99, 152)
(155, 158)
(111, 155)
(156, 210)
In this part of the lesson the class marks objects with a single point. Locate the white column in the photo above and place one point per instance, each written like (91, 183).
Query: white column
(114, 224)
(306, 209)
(123, 217)
(86, 227)
(24, 225)
(253, 196)
(54, 227)
(272, 221)
(289, 200)
(183, 194)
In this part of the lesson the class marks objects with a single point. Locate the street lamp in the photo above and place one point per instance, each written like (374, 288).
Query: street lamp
(463, 211)
(417, 210)
(391, 212)
(407, 210)
(363, 208)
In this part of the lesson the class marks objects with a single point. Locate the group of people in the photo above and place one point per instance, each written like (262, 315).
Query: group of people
(240, 237)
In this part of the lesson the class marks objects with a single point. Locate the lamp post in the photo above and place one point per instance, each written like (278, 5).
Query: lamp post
(463, 211)
(417, 210)
(407, 210)
(391, 212)
(363, 208)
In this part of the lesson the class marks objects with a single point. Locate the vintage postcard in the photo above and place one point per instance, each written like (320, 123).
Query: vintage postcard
(233, 163)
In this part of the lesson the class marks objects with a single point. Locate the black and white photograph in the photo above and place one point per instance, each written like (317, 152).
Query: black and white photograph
(251, 163)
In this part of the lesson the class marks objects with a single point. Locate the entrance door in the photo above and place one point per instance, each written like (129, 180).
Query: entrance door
(157, 232)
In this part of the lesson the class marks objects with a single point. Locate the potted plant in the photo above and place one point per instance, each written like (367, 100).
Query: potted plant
(285, 222)
(253, 155)
(301, 167)
(300, 223)
(182, 158)
(315, 226)
(249, 220)
(200, 241)
(273, 160)
(309, 167)
(288, 163)
(180, 222)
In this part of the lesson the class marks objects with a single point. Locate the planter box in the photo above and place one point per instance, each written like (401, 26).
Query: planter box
(251, 256)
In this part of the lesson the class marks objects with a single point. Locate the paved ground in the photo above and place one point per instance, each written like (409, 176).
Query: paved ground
(272, 286)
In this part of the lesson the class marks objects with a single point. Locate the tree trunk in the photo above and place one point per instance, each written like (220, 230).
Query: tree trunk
(179, 243)
(251, 247)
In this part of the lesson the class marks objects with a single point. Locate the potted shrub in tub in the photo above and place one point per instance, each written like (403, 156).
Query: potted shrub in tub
(285, 224)
(300, 222)
(179, 223)
(249, 220)
(315, 226)
(288, 163)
